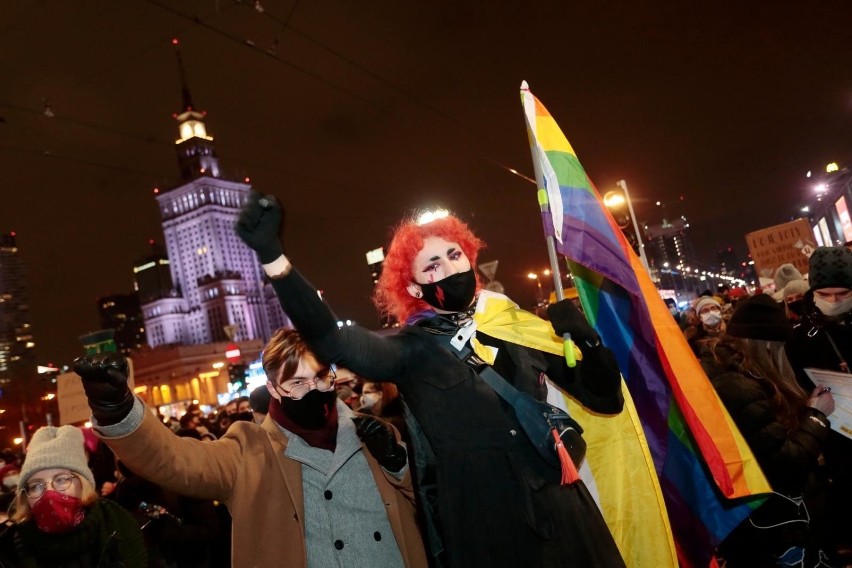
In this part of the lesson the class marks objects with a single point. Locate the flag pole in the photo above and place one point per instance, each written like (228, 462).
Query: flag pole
(544, 207)
(639, 240)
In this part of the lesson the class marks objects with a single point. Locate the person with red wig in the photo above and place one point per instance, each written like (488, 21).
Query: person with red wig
(490, 498)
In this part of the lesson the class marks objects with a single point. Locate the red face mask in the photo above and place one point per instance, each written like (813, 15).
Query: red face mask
(57, 512)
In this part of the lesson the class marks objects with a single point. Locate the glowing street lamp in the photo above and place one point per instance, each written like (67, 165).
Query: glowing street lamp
(534, 276)
(613, 200)
(426, 217)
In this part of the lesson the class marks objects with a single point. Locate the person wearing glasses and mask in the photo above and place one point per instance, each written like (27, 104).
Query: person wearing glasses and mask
(59, 520)
(708, 311)
(823, 339)
(314, 485)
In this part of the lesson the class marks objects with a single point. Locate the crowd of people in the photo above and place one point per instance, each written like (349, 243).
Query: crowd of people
(755, 350)
(398, 451)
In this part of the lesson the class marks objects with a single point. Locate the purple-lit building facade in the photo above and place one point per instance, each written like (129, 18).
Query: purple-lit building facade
(218, 291)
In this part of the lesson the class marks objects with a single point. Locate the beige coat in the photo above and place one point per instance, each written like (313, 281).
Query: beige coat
(246, 469)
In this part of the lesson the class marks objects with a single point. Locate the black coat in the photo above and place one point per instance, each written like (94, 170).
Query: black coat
(499, 504)
(108, 537)
(790, 459)
(185, 537)
(810, 347)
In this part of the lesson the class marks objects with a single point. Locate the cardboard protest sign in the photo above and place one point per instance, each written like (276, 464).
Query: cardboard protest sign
(771, 247)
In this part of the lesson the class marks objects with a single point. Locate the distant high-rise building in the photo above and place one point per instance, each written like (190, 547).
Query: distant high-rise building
(18, 374)
(217, 288)
(668, 244)
(153, 276)
(121, 312)
(671, 258)
(727, 260)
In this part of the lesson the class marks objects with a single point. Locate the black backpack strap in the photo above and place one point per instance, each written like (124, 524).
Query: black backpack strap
(466, 355)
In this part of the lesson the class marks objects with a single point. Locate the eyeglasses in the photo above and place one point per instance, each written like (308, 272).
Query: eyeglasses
(60, 482)
(299, 388)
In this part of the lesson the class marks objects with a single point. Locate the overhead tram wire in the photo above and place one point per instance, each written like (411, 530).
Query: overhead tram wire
(251, 46)
(123, 61)
(149, 175)
(170, 144)
(285, 25)
(196, 21)
(91, 163)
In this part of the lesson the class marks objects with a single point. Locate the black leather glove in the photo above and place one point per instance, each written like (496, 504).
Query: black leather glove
(259, 226)
(105, 382)
(380, 439)
(566, 318)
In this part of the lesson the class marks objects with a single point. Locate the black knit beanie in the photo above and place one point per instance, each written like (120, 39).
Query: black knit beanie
(760, 317)
(830, 267)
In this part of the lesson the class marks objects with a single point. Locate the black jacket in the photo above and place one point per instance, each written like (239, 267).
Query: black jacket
(499, 504)
(789, 459)
(810, 347)
(792, 516)
(108, 537)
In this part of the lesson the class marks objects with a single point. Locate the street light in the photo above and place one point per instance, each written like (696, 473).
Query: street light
(534, 276)
(619, 205)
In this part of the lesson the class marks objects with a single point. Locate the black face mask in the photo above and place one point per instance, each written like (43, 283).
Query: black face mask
(453, 293)
(310, 412)
(797, 308)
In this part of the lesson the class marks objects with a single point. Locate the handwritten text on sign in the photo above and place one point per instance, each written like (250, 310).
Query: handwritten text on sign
(786, 243)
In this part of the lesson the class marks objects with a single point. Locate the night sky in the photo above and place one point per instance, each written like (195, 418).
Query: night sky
(354, 113)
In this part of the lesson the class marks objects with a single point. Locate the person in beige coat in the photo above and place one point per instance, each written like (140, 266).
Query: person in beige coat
(314, 485)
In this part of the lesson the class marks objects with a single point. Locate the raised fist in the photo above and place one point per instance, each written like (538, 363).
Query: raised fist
(105, 382)
(566, 318)
(380, 439)
(259, 226)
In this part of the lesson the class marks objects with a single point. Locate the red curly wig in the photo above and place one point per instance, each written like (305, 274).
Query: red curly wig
(391, 296)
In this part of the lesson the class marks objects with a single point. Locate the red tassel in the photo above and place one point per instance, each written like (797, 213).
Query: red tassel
(569, 472)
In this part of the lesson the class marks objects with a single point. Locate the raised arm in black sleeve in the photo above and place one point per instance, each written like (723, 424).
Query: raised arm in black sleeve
(370, 355)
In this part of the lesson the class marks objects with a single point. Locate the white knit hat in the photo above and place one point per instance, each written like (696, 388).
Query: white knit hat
(795, 287)
(785, 274)
(704, 301)
(56, 448)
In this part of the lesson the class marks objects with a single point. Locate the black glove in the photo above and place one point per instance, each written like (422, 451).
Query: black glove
(105, 382)
(566, 318)
(259, 226)
(380, 439)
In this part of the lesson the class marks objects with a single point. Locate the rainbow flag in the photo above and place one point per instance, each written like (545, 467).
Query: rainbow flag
(709, 478)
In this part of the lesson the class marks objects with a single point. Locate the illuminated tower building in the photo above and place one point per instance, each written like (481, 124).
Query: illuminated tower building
(217, 290)
(17, 347)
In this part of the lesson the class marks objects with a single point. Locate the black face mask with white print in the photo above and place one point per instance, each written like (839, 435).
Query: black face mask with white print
(452, 294)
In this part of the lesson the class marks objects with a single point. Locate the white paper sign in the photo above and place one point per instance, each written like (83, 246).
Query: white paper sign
(841, 389)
